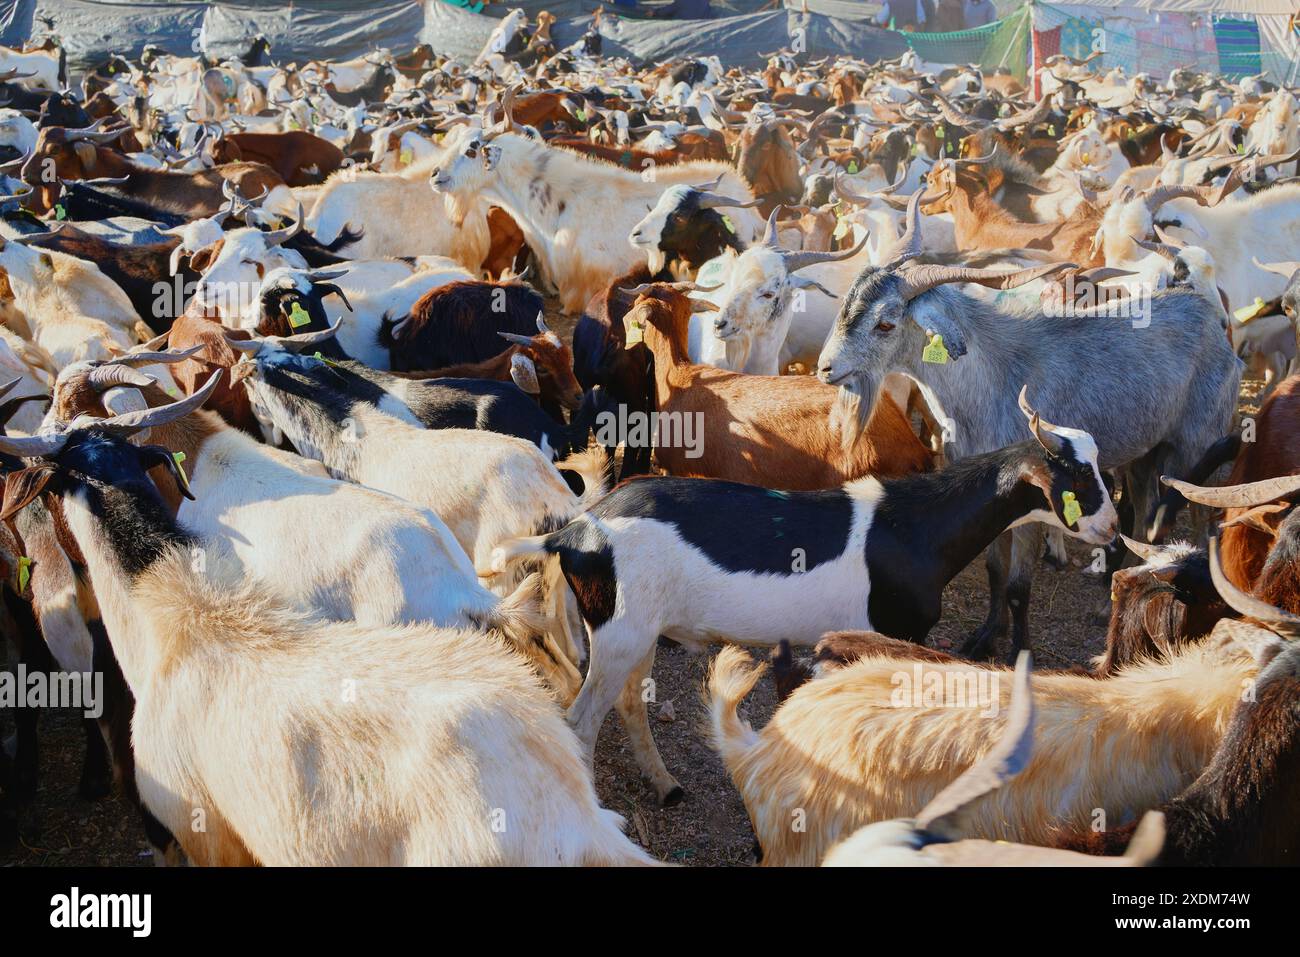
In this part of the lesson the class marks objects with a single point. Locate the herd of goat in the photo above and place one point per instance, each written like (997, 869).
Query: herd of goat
(366, 552)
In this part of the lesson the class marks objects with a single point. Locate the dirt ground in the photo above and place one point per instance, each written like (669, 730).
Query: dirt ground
(1069, 611)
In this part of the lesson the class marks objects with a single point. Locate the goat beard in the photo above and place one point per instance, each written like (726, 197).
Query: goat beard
(850, 413)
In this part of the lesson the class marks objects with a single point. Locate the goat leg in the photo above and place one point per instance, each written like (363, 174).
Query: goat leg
(982, 643)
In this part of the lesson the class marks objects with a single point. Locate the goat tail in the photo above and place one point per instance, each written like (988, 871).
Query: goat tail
(508, 553)
(610, 847)
(519, 616)
(592, 466)
(732, 676)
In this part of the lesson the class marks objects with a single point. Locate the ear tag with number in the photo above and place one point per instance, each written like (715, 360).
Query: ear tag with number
(853, 166)
(406, 155)
(178, 458)
(1253, 311)
(936, 351)
(1071, 510)
(635, 334)
(731, 227)
(60, 212)
(298, 316)
(24, 573)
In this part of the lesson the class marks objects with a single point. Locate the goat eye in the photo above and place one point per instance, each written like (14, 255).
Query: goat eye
(769, 295)
(884, 325)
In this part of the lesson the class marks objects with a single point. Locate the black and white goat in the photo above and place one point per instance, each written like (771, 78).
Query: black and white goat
(701, 560)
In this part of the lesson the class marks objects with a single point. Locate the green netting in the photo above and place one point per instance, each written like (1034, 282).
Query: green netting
(1003, 43)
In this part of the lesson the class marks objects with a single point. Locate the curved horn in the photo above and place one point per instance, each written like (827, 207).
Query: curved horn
(801, 259)
(1284, 269)
(922, 278)
(1164, 249)
(1051, 441)
(35, 446)
(275, 237)
(945, 813)
(541, 323)
(769, 231)
(1236, 496)
(111, 375)
(1142, 550)
(1245, 604)
(133, 422)
(909, 244)
(143, 357)
(515, 338)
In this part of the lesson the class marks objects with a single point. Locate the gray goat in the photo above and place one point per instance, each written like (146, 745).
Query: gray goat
(1155, 396)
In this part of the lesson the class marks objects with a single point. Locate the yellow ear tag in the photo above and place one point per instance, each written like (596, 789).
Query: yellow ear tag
(916, 149)
(939, 132)
(1051, 129)
(1087, 158)
(936, 351)
(1253, 311)
(731, 227)
(178, 458)
(60, 212)
(635, 334)
(1241, 147)
(853, 166)
(328, 362)
(24, 573)
(581, 115)
(406, 156)
(842, 228)
(1071, 510)
(298, 316)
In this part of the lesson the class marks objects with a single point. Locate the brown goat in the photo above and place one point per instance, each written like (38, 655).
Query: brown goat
(550, 357)
(299, 157)
(196, 329)
(982, 224)
(81, 155)
(771, 431)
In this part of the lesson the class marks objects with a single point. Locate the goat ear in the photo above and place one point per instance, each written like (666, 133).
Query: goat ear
(86, 153)
(154, 455)
(524, 373)
(23, 486)
(933, 320)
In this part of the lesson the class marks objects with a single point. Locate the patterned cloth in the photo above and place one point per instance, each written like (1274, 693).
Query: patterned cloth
(1238, 42)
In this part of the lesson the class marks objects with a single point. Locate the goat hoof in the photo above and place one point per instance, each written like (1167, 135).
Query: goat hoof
(979, 645)
(675, 796)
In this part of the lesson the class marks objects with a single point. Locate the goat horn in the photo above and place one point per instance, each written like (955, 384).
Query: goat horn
(1142, 550)
(107, 376)
(945, 812)
(9, 386)
(1164, 249)
(1245, 604)
(804, 258)
(1037, 423)
(909, 244)
(304, 340)
(980, 159)
(709, 200)
(703, 305)
(541, 323)
(133, 422)
(1284, 269)
(1236, 496)
(34, 446)
(275, 237)
(516, 339)
(922, 278)
(144, 358)
(769, 231)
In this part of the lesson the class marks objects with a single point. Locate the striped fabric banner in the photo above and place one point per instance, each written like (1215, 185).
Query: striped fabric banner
(1238, 43)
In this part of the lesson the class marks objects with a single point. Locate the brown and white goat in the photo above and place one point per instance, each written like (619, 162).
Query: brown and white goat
(772, 431)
